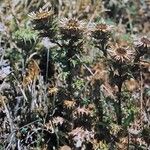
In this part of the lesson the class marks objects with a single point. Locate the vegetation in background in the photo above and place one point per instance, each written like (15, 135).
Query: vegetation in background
(74, 75)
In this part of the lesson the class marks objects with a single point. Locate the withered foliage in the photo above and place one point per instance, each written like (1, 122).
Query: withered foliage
(74, 75)
(32, 73)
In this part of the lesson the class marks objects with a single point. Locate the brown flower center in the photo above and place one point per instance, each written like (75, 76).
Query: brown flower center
(72, 23)
(121, 51)
(101, 26)
(42, 15)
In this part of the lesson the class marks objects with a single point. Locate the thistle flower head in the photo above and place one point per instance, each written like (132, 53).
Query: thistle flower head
(52, 90)
(41, 14)
(120, 53)
(71, 23)
(135, 128)
(101, 31)
(82, 111)
(131, 84)
(42, 19)
(100, 72)
(58, 120)
(69, 104)
(143, 41)
(142, 46)
(80, 135)
(71, 27)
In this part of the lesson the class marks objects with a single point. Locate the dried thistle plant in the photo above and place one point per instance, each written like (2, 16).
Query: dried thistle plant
(69, 104)
(40, 15)
(45, 22)
(41, 18)
(101, 33)
(71, 33)
(71, 28)
(121, 60)
(121, 54)
(66, 96)
(33, 71)
(52, 90)
(80, 136)
(142, 46)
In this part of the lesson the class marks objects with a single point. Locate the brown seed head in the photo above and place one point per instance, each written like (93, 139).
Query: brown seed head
(41, 14)
(121, 53)
(71, 27)
(101, 31)
(69, 104)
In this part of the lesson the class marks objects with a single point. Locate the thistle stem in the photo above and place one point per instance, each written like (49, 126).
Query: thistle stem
(104, 49)
(119, 116)
(98, 99)
(70, 74)
(119, 105)
(47, 65)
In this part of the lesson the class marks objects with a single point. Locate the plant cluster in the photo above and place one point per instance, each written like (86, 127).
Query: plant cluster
(78, 82)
